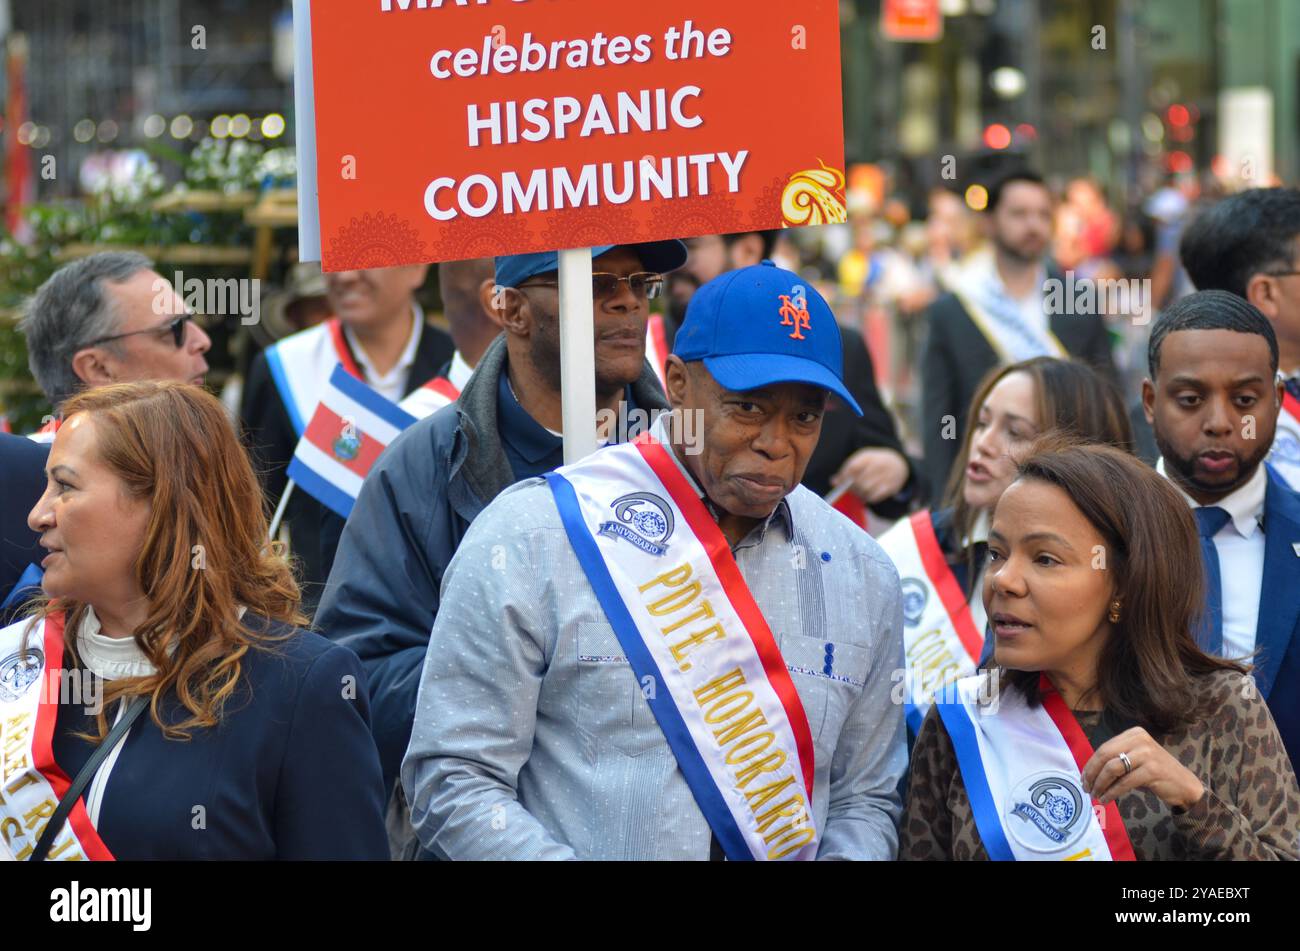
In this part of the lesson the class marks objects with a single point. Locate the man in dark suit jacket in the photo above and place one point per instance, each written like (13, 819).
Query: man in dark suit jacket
(1213, 400)
(22, 480)
(865, 448)
(957, 353)
(380, 314)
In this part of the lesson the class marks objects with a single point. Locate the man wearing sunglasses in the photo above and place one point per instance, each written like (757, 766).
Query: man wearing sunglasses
(417, 503)
(110, 318)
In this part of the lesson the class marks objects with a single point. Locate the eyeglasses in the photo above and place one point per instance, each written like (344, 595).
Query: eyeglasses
(1281, 273)
(642, 284)
(177, 328)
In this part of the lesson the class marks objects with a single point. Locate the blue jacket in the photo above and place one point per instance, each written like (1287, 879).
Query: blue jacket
(1277, 635)
(413, 510)
(22, 480)
(290, 772)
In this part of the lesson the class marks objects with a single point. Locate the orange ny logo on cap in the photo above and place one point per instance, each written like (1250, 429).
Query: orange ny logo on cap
(794, 311)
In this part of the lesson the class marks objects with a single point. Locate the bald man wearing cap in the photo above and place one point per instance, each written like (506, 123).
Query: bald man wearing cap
(674, 652)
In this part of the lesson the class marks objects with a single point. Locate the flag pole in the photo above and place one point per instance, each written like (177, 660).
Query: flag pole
(577, 355)
(279, 511)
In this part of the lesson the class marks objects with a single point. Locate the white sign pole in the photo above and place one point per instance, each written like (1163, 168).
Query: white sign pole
(577, 355)
(304, 107)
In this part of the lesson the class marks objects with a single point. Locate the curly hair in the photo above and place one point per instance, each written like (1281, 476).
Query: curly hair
(205, 553)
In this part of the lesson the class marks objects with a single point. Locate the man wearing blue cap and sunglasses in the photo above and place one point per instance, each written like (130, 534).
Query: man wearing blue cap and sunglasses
(432, 482)
(661, 653)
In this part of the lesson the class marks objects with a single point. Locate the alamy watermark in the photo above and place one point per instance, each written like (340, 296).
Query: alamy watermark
(1106, 297)
(212, 297)
(682, 427)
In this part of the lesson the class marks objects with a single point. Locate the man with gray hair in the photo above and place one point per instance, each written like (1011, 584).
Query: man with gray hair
(110, 318)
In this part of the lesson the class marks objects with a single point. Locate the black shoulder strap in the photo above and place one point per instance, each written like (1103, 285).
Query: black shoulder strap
(51, 831)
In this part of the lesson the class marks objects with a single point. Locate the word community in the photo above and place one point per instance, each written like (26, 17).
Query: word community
(606, 183)
(77, 904)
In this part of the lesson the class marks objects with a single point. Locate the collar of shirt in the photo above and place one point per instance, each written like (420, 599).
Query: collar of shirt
(659, 430)
(113, 658)
(532, 441)
(1245, 506)
(459, 372)
(979, 532)
(395, 379)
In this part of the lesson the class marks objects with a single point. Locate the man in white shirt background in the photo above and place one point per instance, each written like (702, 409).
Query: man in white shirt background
(378, 332)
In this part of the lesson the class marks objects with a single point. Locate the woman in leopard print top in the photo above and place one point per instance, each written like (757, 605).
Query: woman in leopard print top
(1208, 775)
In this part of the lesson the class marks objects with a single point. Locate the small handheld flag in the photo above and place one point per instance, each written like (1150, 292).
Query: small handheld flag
(352, 425)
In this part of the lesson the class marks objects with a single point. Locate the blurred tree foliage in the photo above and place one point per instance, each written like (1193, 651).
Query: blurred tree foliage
(120, 211)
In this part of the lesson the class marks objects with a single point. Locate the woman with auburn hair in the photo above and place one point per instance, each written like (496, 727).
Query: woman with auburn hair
(940, 554)
(167, 672)
(1103, 732)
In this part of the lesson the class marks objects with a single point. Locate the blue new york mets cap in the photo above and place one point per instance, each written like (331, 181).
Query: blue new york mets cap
(658, 256)
(762, 325)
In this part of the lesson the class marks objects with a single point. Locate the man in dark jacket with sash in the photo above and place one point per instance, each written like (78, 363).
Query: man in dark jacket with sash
(419, 500)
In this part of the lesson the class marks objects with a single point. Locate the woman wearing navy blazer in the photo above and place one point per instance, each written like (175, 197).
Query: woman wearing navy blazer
(254, 739)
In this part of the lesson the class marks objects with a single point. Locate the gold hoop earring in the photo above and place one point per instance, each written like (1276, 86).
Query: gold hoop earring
(1114, 612)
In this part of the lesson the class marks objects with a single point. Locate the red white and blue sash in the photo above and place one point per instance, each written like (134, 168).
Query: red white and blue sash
(940, 640)
(656, 347)
(301, 364)
(431, 397)
(1285, 457)
(45, 435)
(688, 623)
(31, 783)
(1021, 768)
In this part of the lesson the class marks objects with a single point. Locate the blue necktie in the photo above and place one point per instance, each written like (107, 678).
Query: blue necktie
(1210, 519)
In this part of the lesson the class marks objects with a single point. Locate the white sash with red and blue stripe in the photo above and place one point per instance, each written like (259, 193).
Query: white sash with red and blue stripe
(674, 595)
(431, 397)
(1021, 767)
(1285, 457)
(940, 640)
(656, 347)
(31, 782)
(301, 364)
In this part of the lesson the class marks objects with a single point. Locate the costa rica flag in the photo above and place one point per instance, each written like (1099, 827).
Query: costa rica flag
(352, 425)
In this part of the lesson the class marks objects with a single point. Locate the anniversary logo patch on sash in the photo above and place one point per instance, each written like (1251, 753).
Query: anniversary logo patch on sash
(1021, 767)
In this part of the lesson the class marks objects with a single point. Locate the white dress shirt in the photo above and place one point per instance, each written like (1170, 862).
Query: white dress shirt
(393, 384)
(1241, 548)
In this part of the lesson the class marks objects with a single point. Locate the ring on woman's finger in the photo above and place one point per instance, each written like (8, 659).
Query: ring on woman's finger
(1128, 763)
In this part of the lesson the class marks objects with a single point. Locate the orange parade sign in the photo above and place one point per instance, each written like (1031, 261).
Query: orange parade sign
(449, 129)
